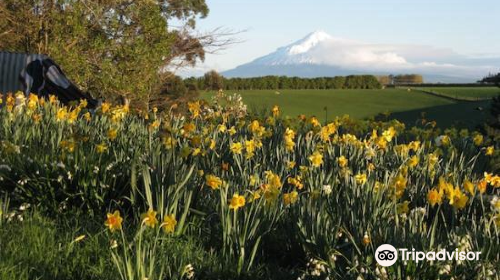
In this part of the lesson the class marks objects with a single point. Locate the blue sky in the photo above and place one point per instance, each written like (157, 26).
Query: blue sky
(468, 27)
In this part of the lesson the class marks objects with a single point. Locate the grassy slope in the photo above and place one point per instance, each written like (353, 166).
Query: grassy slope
(407, 105)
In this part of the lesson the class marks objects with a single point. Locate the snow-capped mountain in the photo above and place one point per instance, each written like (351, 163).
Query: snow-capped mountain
(296, 53)
(320, 54)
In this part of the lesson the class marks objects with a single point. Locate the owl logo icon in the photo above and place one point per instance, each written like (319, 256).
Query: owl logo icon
(386, 255)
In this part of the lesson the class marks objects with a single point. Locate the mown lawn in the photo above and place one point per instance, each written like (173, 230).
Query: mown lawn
(361, 104)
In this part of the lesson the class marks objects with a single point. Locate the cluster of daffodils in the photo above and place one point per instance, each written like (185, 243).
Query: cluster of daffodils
(254, 173)
(459, 196)
(114, 221)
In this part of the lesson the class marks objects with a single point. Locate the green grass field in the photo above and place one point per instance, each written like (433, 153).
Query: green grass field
(401, 103)
(467, 92)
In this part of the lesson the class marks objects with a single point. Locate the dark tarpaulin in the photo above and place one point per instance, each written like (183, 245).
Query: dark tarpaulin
(40, 75)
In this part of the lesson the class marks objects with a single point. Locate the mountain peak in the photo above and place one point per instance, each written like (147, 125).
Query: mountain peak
(308, 42)
(318, 54)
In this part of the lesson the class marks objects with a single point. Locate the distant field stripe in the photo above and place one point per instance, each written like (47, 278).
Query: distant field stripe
(463, 93)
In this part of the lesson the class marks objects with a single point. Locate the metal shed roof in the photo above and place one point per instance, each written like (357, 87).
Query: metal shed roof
(11, 65)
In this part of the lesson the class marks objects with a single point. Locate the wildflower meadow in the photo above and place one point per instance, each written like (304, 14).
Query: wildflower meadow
(218, 192)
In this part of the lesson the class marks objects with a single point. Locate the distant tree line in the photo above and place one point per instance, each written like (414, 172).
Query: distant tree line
(214, 81)
(404, 79)
(491, 79)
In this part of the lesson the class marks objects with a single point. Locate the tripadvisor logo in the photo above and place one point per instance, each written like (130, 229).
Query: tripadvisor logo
(387, 255)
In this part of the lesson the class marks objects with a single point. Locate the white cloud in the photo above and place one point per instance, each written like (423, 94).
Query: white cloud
(376, 57)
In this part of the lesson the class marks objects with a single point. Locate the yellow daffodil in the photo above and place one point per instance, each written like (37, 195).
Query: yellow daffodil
(112, 133)
(68, 145)
(250, 148)
(254, 126)
(469, 187)
(87, 116)
(342, 161)
(276, 111)
(254, 196)
(495, 181)
(432, 159)
(222, 128)
(101, 148)
(481, 186)
(414, 145)
(389, 134)
(61, 114)
(253, 180)
(169, 142)
(271, 193)
(360, 178)
(232, 130)
(213, 181)
(32, 101)
(326, 131)
(296, 182)
(36, 118)
(196, 151)
(169, 223)
(314, 121)
(237, 201)
(371, 167)
(149, 218)
(414, 160)
(194, 108)
(236, 148)
(72, 116)
(273, 179)
(105, 107)
(83, 103)
(188, 128)
(456, 198)
(290, 198)
(154, 125)
(52, 99)
(381, 143)
(434, 197)
(114, 221)
(316, 159)
(478, 139)
(289, 139)
(399, 184)
(489, 151)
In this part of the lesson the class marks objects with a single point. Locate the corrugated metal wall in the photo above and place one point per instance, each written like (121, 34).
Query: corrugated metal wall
(11, 65)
